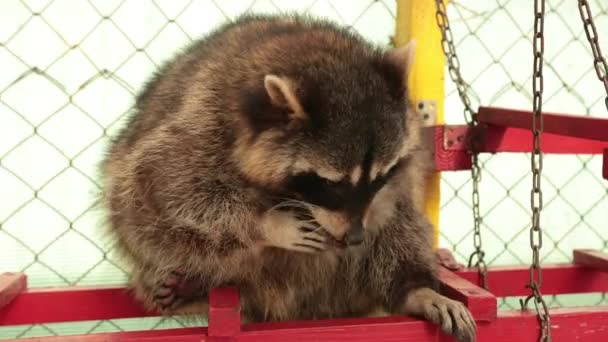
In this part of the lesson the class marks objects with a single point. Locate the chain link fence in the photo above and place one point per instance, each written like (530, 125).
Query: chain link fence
(70, 70)
(494, 43)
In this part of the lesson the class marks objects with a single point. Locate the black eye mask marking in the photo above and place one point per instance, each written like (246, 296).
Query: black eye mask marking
(381, 180)
(335, 195)
(319, 191)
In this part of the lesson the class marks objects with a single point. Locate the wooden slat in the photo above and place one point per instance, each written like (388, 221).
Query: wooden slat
(507, 281)
(11, 284)
(508, 139)
(588, 324)
(451, 150)
(448, 159)
(71, 304)
(93, 303)
(162, 335)
(224, 312)
(567, 125)
(591, 258)
(481, 303)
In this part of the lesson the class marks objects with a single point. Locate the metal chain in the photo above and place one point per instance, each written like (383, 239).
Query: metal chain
(599, 61)
(536, 196)
(449, 50)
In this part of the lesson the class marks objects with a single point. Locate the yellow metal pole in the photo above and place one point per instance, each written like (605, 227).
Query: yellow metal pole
(416, 20)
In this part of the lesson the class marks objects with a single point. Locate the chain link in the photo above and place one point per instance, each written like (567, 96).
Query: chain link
(536, 195)
(599, 62)
(449, 50)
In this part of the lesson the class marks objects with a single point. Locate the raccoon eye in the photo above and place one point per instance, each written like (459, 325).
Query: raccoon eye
(317, 190)
(390, 173)
(393, 169)
(330, 183)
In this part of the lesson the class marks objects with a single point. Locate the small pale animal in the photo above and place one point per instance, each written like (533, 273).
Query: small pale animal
(279, 155)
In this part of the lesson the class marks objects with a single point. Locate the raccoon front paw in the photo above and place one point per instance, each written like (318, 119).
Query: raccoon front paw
(175, 290)
(308, 240)
(452, 316)
(283, 230)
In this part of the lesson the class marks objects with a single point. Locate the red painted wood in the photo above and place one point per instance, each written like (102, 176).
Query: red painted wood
(71, 304)
(569, 324)
(224, 312)
(589, 324)
(507, 281)
(163, 335)
(11, 284)
(449, 160)
(395, 328)
(581, 324)
(505, 139)
(567, 125)
(481, 303)
(31, 306)
(591, 258)
(605, 164)
(455, 137)
(451, 154)
(501, 139)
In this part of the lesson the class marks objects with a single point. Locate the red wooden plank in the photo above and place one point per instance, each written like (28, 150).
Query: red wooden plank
(395, 328)
(567, 125)
(507, 281)
(481, 303)
(71, 304)
(591, 258)
(447, 159)
(451, 151)
(580, 324)
(224, 312)
(90, 303)
(162, 335)
(589, 324)
(506, 139)
(11, 284)
(605, 164)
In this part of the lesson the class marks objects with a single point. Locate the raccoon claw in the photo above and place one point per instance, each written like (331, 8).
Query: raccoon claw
(284, 230)
(166, 300)
(452, 317)
(311, 242)
(174, 290)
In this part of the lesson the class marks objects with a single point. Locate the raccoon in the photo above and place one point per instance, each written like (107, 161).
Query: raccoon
(280, 155)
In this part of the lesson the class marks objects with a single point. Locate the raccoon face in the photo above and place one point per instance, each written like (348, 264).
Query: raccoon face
(331, 136)
(341, 205)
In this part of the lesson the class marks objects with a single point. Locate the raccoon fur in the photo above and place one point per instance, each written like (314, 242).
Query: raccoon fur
(278, 154)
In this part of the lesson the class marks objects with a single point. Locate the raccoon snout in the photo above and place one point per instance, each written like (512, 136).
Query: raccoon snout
(354, 236)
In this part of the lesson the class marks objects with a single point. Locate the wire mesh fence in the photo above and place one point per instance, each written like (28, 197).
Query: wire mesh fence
(494, 43)
(71, 68)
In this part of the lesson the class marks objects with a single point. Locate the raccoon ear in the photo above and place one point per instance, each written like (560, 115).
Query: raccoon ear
(283, 94)
(402, 58)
